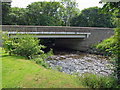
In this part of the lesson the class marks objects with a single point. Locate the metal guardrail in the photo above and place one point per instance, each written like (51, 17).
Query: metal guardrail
(46, 33)
(54, 34)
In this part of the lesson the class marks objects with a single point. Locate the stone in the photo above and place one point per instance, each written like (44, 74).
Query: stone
(88, 64)
(62, 57)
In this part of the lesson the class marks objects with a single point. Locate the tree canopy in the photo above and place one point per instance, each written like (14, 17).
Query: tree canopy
(44, 13)
(91, 17)
(5, 13)
(64, 13)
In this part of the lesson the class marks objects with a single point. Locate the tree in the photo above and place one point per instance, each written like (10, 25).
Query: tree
(113, 7)
(91, 17)
(44, 13)
(5, 14)
(70, 10)
(17, 16)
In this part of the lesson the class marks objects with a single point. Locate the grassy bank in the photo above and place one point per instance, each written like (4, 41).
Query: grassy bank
(18, 72)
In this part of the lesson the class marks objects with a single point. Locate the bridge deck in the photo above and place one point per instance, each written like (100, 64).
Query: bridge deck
(55, 31)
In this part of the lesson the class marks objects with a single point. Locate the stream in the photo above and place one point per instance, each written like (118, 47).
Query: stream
(71, 62)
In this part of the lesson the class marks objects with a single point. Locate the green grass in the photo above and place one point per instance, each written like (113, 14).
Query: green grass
(17, 72)
(96, 81)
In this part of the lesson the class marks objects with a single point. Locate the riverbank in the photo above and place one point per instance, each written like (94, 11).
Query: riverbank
(25, 73)
(18, 72)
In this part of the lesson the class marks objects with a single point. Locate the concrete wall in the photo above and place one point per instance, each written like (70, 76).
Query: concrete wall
(97, 34)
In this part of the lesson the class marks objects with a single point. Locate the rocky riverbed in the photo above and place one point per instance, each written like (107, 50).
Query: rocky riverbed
(80, 63)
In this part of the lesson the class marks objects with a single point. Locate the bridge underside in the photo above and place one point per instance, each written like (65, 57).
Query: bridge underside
(75, 44)
(70, 40)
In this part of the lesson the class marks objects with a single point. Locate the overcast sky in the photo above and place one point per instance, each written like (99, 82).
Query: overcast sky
(81, 3)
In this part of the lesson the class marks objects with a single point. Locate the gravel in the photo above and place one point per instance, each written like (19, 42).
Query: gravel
(83, 64)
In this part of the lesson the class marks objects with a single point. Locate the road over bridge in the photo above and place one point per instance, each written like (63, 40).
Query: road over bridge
(77, 38)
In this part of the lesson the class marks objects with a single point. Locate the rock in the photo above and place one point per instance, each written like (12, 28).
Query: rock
(87, 64)
(62, 57)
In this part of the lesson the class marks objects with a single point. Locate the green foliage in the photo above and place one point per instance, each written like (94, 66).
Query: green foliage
(17, 16)
(107, 46)
(110, 7)
(50, 53)
(44, 14)
(5, 14)
(40, 58)
(8, 43)
(18, 72)
(90, 17)
(114, 7)
(111, 47)
(40, 61)
(46, 55)
(23, 45)
(70, 11)
(58, 67)
(28, 46)
(96, 81)
(41, 13)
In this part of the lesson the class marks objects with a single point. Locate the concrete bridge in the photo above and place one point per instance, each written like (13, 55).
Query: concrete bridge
(77, 38)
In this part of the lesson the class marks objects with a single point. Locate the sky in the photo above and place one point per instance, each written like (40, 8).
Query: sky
(82, 4)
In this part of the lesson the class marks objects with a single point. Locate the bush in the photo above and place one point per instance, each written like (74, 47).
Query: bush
(27, 46)
(107, 46)
(8, 43)
(23, 45)
(96, 81)
(40, 59)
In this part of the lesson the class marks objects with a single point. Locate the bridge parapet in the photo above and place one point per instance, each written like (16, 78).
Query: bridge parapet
(22, 28)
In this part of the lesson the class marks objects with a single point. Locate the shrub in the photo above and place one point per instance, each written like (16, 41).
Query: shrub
(96, 81)
(8, 43)
(28, 46)
(40, 61)
(23, 45)
(107, 46)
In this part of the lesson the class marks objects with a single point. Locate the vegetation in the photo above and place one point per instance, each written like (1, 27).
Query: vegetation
(96, 81)
(63, 13)
(91, 17)
(27, 46)
(18, 72)
(8, 43)
(113, 7)
(5, 13)
(25, 73)
(23, 45)
(70, 11)
(106, 47)
(39, 59)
